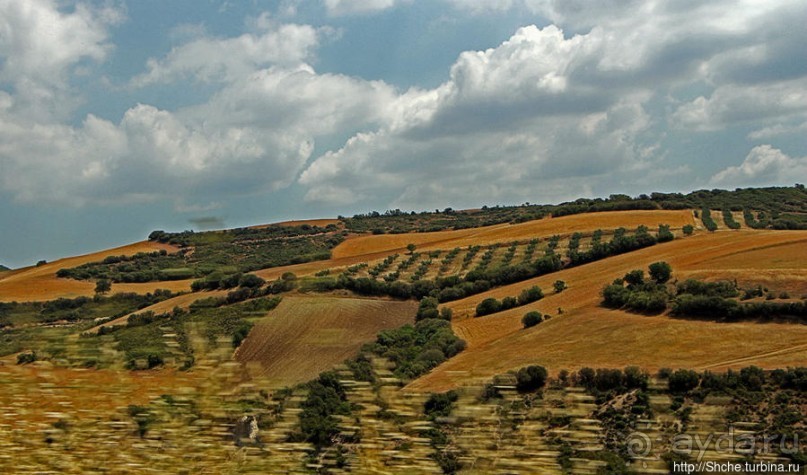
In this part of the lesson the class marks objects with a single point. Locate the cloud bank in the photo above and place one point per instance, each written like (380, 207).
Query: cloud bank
(579, 106)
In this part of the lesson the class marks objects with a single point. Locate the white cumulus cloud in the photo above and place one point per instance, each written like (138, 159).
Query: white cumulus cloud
(207, 59)
(764, 165)
(513, 122)
(350, 7)
(41, 45)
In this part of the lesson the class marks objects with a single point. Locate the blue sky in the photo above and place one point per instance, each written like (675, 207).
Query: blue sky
(117, 118)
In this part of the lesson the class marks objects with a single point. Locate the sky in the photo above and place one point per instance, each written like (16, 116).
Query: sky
(121, 117)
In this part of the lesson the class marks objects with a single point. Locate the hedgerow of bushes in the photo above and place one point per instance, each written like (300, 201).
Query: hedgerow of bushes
(693, 298)
(708, 222)
(492, 305)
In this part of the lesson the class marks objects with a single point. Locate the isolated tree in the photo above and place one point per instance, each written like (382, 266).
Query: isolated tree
(411, 248)
(688, 229)
(103, 286)
(559, 286)
(531, 294)
(531, 319)
(660, 272)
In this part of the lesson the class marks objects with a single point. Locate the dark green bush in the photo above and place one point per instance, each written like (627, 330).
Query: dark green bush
(531, 378)
(708, 222)
(530, 319)
(488, 306)
(683, 381)
(529, 295)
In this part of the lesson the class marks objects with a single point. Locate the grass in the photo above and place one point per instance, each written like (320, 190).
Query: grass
(77, 421)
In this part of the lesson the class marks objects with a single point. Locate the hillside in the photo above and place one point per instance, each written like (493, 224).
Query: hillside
(500, 233)
(335, 334)
(586, 332)
(40, 282)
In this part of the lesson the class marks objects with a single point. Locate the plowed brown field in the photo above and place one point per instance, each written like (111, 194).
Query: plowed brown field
(587, 335)
(40, 283)
(304, 336)
(511, 232)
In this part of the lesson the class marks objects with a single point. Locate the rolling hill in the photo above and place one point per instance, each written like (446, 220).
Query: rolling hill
(586, 332)
(311, 333)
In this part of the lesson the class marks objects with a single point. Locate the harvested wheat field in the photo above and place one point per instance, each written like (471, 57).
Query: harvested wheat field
(509, 232)
(588, 335)
(40, 282)
(304, 336)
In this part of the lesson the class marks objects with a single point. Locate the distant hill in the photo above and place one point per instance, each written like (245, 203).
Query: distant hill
(783, 208)
(3, 268)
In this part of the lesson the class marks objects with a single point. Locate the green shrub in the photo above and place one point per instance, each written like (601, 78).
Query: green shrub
(440, 404)
(559, 286)
(530, 295)
(683, 381)
(728, 218)
(708, 222)
(664, 233)
(660, 272)
(326, 399)
(27, 357)
(530, 319)
(531, 378)
(251, 281)
(488, 306)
